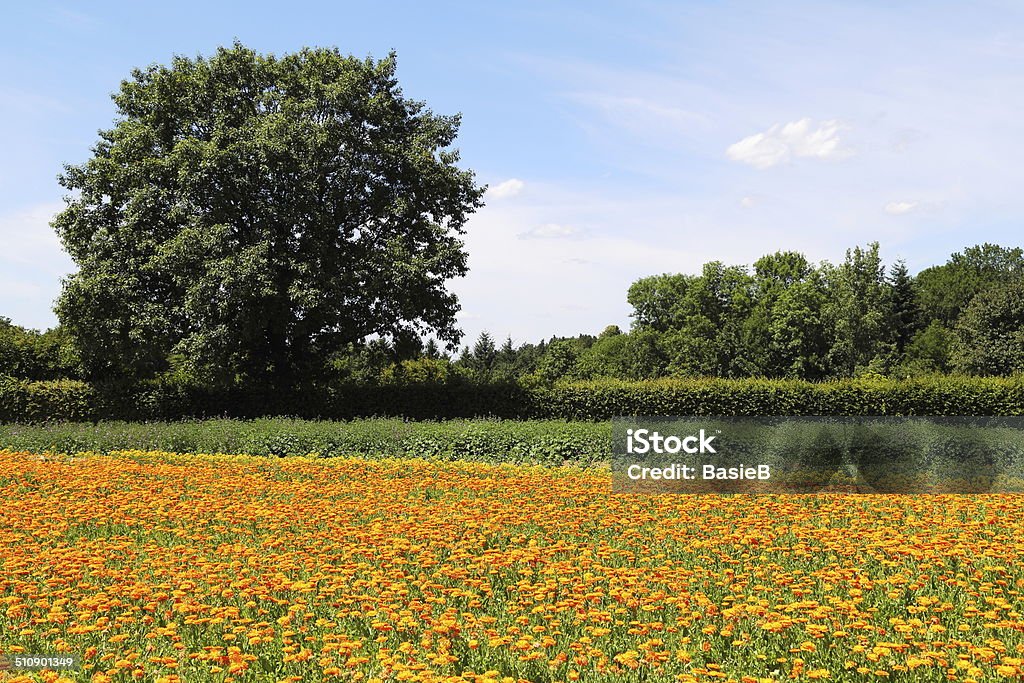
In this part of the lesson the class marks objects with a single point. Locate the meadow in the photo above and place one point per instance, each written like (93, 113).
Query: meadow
(162, 567)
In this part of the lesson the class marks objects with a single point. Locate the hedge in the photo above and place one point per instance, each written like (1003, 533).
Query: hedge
(932, 396)
(65, 400)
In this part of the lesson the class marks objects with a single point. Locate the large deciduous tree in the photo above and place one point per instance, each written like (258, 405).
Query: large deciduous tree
(251, 215)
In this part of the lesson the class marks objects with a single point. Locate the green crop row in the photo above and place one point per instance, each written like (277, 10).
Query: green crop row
(535, 442)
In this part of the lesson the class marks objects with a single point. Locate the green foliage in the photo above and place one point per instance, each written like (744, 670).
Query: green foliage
(28, 401)
(923, 396)
(253, 215)
(990, 333)
(28, 354)
(656, 301)
(929, 350)
(905, 311)
(534, 442)
(785, 332)
(479, 363)
(857, 314)
(944, 291)
(709, 343)
(609, 356)
(791, 319)
(22, 401)
(363, 364)
(418, 371)
(559, 359)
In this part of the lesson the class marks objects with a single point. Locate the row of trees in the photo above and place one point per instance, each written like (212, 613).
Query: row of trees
(783, 318)
(789, 318)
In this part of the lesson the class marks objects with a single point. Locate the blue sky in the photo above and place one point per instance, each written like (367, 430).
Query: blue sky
(619, 140)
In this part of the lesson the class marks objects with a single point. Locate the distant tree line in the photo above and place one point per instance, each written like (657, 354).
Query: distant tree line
(783, 318)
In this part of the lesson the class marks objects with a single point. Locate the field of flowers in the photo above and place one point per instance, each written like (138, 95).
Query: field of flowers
(162, 567)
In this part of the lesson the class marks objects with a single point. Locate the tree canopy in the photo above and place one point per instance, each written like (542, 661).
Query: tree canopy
(249, 216)
(990, 332)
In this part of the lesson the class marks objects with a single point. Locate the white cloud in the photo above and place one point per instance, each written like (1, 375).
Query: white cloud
(783, 142)
(748, 202)
(508, 188)
(551, 231)
(932, 205)
(898, 208)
